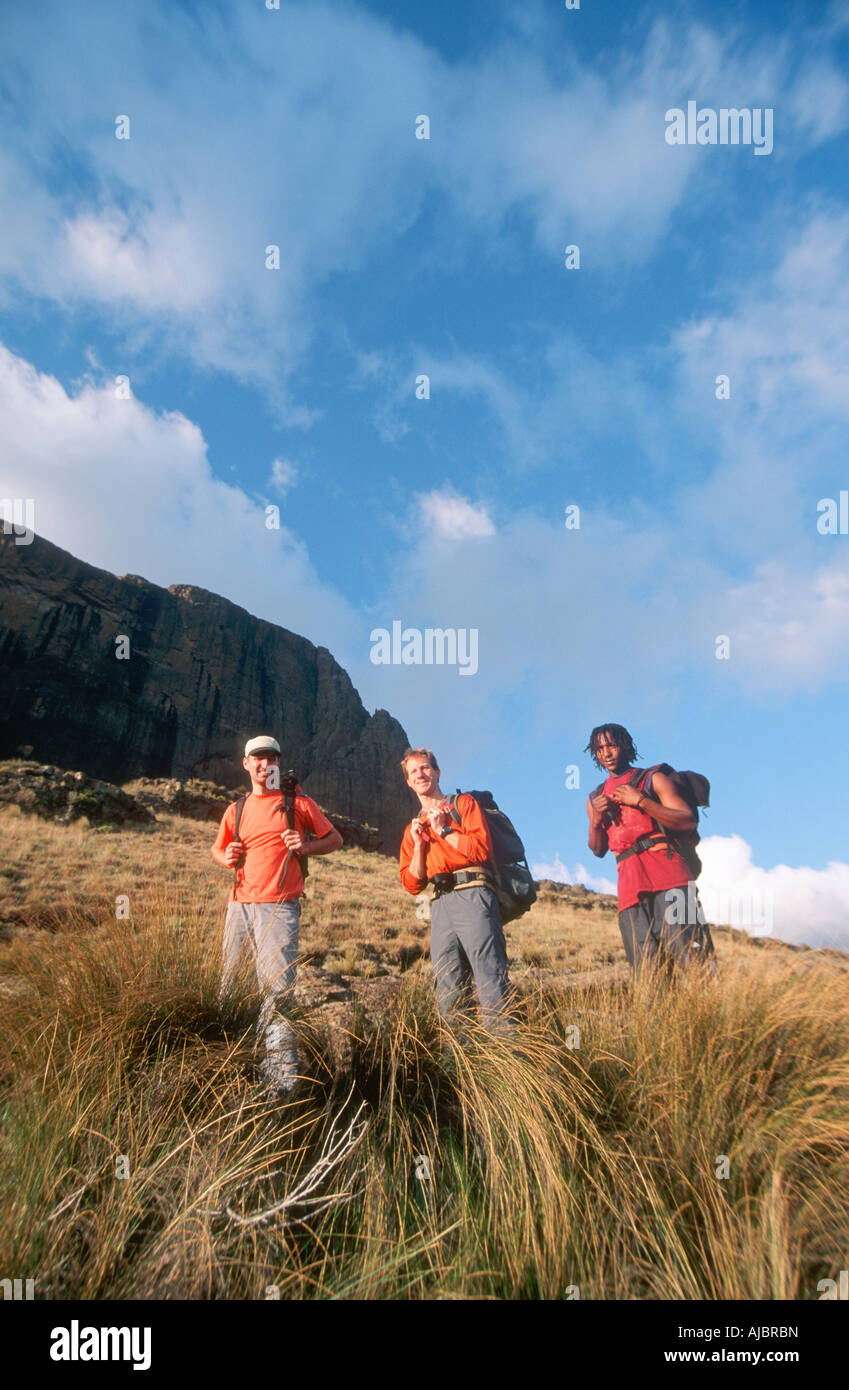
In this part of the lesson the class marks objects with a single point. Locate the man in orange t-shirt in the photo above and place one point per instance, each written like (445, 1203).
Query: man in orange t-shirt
(264, 906)
(466, 935)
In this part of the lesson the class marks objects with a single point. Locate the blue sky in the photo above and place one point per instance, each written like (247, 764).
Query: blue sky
(549, 386)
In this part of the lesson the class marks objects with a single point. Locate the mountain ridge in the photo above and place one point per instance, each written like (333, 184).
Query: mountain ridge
(201, 674)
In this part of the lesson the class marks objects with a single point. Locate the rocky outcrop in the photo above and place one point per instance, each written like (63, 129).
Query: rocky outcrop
(354, 832)
(575, 895)
(196, 678)
(53, 794)
(342, 1010)
(199, 800)
(195, 799)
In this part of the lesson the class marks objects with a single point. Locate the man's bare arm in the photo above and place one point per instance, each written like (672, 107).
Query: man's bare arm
(666, 807)
(596, 809)
(294, 841)
(228, 854)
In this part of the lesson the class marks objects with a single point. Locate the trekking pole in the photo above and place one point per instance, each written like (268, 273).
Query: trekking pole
(282, 878)
(288, 789)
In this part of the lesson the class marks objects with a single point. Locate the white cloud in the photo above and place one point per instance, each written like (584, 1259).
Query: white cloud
(835, 21)
(560, 413)
(167, 231)
(232, 116)
(800, 905)
(791, 627)
(512, 408)
(755, 568)
(390, 381)
(784, 339)
(778, 447)
(819, 100)
(540, 596)
(148, 261)
(453, 518)
(561, 873)
(735, 551)
(130, 490)
(284, 475)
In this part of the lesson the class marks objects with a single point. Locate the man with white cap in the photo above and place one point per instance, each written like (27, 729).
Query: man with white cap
(265, 852)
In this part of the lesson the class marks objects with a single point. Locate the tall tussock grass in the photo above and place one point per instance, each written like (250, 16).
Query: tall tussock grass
(683, 1141)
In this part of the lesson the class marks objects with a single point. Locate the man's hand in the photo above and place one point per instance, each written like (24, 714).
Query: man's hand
(233, 853)
(293, 840)
(627, 795)
(438, 821)
(418, 828)
(597, 807)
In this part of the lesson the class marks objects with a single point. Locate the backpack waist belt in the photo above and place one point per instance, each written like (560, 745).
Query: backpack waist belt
(639, 846)
(446, 883)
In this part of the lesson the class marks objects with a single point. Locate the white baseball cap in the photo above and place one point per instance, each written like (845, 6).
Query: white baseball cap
(262, 744)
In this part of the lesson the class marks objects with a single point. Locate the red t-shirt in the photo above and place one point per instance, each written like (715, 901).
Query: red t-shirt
(260, 830)
(473, 850)
(651, 872)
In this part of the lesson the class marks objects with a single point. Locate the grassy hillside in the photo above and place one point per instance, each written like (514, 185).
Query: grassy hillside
(140, 1158)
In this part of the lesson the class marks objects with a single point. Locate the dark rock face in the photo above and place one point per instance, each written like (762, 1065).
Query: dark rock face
(54, 794)
(201, 677)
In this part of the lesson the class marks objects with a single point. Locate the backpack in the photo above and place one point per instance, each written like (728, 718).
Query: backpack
(692, 787)
(286, 807)
(514, 882)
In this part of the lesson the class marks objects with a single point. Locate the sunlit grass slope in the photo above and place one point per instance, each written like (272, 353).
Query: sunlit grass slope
(657, 1143)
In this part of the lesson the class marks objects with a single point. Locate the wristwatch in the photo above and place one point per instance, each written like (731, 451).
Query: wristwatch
(446, 829)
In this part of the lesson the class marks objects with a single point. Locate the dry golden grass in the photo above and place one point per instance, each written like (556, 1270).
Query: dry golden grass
(356, 920)
(138, 1157)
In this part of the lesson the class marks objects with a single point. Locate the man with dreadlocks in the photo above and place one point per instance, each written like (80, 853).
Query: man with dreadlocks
(631, 824)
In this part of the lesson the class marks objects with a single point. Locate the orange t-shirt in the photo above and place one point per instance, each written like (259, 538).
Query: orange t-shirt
(260, 830)
(473, 850)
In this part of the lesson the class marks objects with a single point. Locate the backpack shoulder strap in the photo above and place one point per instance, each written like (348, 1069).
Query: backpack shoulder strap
(240, 806)
(454, 810)
(644, 776)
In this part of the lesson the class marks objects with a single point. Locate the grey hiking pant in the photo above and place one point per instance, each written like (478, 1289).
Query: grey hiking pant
(667, 928)
(271, 931)
(466, 944)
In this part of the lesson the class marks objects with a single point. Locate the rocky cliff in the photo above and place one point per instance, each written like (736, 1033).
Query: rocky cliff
(200, 677)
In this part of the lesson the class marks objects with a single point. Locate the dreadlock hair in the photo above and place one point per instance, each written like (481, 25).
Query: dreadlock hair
(620, 735)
